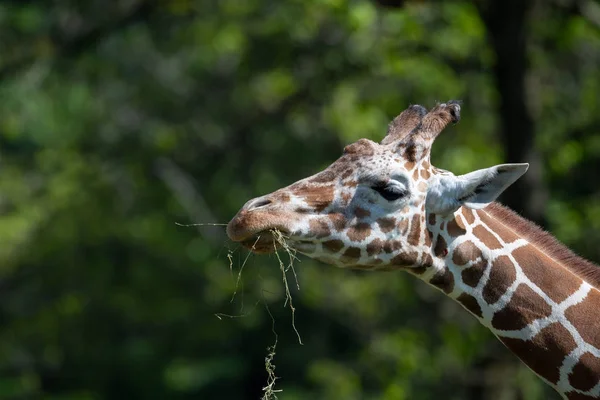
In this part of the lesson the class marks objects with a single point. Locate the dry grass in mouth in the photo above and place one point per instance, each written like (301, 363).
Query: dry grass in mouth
(279, 239)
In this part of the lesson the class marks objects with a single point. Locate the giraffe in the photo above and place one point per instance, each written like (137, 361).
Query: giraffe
(383, 206)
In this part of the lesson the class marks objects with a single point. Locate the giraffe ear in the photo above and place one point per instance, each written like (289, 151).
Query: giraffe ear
(474, 190)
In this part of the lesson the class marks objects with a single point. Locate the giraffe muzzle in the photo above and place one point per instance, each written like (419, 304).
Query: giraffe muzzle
(252, 226)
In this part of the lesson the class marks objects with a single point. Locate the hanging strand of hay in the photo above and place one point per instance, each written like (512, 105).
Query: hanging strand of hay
(230, 258)
(237, 282)
(269, 389)
(280, 239)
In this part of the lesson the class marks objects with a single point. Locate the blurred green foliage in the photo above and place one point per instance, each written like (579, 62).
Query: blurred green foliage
(119, 119)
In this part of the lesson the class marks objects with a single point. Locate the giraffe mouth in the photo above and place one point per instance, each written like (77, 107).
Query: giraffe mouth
(261, 243)
(265, 242)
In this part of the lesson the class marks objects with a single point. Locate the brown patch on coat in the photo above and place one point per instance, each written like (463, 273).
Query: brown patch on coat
(375, 247)
(460, 222)
(422, 187)
(334, 245)
(403, 226)
(440, 247)
(545, 352)
(427, 261)
(359, 232)
(502, 276)
(347, 173)
(319, 228)
(468, 215)
(470, 303)
(418, 270)
(405, 259)
(505, 232)
(352, 253)
(456, 228)
(486, 237)
(325, 176)
(579, 396)
(543, 241)
(425, 174)
(415, 230)
(548, 275)
(465, 252)
(472, 275)
(416, 174)
(316, 197)
(391, 246)
(386, 224)
(581, 316)
(431, 219)
(443, 280)
(338, 220)
(586, 372)
(409, 165)
(362, 213)
(428, 238)
(524, 307)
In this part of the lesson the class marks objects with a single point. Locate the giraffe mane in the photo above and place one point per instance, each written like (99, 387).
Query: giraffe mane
(547, 243)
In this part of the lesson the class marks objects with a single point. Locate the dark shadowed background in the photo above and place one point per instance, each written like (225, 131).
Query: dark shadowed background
(119, 119)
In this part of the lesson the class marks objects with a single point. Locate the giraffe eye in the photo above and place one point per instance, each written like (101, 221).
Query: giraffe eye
(389, 192)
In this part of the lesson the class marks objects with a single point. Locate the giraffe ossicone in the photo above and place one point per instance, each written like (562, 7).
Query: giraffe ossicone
(385, 207)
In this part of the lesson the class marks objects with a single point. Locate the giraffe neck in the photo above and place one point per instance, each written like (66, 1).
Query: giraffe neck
(534, 302)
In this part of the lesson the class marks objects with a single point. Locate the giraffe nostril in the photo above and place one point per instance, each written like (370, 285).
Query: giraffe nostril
(258, 203)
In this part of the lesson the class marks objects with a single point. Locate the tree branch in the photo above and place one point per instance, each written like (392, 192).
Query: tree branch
(506, 22)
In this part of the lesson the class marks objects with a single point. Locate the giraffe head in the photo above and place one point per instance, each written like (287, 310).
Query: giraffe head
(370, 208)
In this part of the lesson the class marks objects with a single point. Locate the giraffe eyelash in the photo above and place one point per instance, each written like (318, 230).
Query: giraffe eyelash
(389, 192)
